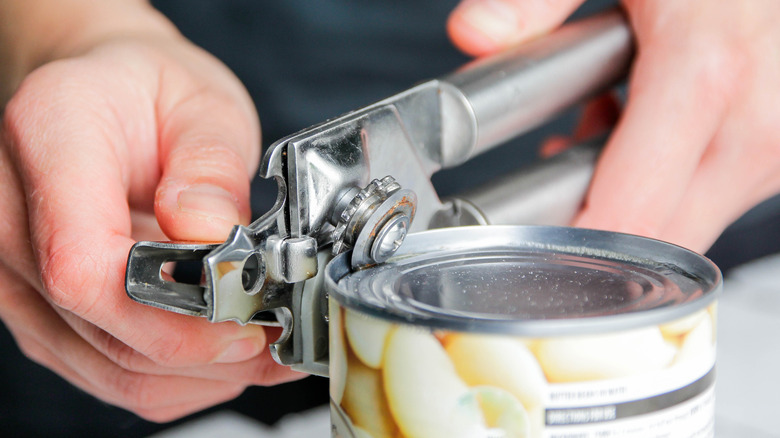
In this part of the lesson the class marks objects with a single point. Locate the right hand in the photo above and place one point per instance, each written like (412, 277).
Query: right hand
(122, 138)
(695, 147)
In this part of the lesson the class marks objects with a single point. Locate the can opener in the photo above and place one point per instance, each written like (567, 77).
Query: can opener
(356, 182)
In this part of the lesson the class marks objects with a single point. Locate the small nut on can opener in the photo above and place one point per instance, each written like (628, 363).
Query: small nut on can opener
(361, 182)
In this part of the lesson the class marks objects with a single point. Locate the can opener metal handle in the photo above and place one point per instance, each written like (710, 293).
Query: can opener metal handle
(356, 182)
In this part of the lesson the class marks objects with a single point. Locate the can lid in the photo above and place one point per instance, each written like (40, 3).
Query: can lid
(529, 280)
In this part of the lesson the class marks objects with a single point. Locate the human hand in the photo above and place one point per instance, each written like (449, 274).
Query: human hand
(125, 136)
(695, 146)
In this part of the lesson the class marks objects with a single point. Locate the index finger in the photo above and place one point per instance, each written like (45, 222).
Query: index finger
(676, 102)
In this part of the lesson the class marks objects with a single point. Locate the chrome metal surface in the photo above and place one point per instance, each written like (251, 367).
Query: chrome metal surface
(390, 238)
(550, 192)
(397, 209)
(374, 222)
(528, 280)
(145, 284)
(517, 90)
(410, 136)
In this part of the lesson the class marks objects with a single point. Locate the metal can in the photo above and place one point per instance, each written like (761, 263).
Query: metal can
(516, 331)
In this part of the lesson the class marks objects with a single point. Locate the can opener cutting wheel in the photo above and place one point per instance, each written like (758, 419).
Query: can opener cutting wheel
(356, 182)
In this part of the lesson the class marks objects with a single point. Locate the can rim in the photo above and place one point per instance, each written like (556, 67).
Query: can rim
(559, 240)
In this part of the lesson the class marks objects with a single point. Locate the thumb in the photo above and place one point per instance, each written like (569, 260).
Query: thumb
(481, 27)
(209, 146)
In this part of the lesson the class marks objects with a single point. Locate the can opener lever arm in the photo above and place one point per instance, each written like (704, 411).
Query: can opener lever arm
(356, 182)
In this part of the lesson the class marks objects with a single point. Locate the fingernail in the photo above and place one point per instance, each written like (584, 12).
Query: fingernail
(209, 200)
(493, 18)
(239, 351)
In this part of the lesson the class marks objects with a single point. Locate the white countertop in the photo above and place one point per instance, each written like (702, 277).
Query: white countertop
(748, 382)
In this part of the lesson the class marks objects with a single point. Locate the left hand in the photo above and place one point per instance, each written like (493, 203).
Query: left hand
(695, 146)
(124, 132)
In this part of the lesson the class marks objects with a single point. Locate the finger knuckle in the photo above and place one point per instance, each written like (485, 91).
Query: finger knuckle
(40, 92)
(136, 390)
(25, 99)
(719, 72)
(122, 355)
(238, 144)
(63, 278)
(198, 153)
(170, 413)
(166, 350)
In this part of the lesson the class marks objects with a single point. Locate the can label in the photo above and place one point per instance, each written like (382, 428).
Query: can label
(400, 380)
